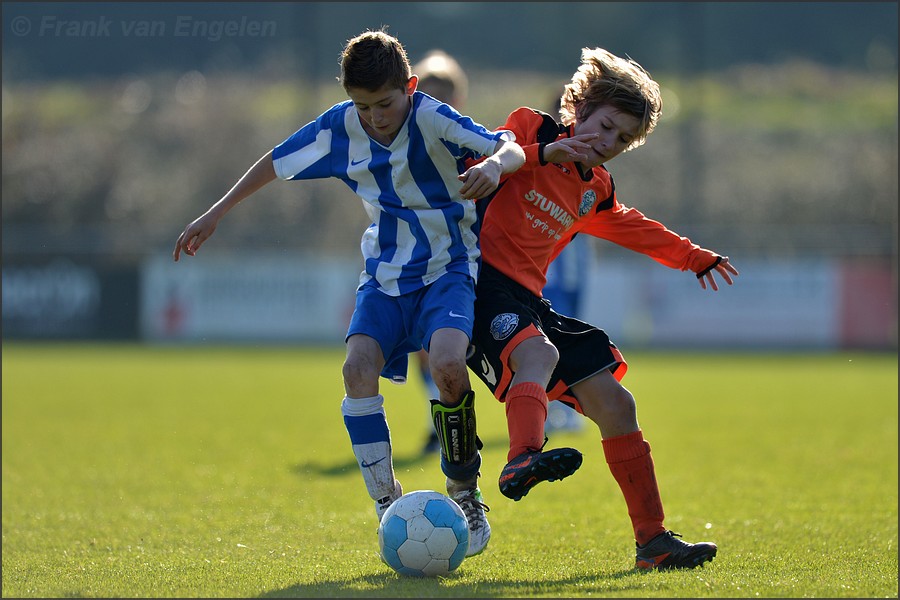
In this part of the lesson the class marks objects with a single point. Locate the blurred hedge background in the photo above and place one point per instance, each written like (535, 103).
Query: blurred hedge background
(122, 122)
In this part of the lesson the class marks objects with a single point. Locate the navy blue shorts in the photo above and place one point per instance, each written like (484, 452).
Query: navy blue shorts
(404, 324)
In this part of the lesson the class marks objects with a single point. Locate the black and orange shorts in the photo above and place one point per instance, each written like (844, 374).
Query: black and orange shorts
(507, 313)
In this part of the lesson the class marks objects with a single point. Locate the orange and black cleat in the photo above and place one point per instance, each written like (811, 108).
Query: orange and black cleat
(530, 468)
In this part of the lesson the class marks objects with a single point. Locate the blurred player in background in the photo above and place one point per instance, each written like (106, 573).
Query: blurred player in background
(401, 152)
(442, 78)
(526, 352)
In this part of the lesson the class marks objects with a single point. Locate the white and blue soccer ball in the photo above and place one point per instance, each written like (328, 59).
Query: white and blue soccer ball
(423, 534)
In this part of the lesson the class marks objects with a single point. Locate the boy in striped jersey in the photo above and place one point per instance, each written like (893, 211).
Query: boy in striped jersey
(404, 154)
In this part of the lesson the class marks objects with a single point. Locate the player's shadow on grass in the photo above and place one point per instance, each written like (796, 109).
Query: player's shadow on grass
(391, 585)
(401, 462)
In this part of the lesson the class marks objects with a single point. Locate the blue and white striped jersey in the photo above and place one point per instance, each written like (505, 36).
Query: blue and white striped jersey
(421, 226)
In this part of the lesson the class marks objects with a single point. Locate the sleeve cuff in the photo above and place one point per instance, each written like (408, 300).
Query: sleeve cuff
(534, 154)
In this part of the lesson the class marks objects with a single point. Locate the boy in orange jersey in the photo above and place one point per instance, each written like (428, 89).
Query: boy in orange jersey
(528, 354)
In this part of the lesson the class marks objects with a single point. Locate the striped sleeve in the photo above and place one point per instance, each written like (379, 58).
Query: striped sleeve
(309, 153)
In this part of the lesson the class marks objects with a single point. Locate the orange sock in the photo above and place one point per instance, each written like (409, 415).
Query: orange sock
(526, 411)
(629, 460)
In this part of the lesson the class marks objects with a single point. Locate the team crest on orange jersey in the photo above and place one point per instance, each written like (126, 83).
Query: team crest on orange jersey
(587, 202)
(503, 325)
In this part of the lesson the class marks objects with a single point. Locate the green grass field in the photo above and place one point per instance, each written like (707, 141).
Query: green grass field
(133, 471)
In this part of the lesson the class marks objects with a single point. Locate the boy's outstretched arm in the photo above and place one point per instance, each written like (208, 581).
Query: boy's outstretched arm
(483, 178)
(629, 228)
(199, 230)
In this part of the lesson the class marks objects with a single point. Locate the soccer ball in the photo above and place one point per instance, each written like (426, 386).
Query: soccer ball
(423, 534)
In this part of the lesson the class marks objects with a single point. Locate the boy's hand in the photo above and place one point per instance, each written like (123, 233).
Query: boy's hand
(481, 179)
(723, 268)
(194, 235)
(569, 149)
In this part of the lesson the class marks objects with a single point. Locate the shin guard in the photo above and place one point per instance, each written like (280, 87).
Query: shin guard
(455, 427)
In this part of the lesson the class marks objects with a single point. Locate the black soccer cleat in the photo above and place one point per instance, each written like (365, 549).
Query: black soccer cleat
(666, 552)
(530, 468)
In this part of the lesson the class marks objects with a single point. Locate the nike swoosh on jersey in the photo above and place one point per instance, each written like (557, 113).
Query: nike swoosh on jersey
(453, 314)
(353, 163)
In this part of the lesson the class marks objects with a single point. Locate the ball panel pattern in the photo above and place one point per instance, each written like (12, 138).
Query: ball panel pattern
(423, 534)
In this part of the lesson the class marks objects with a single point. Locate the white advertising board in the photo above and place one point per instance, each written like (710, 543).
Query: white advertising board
(248, 298)
(798, 304)
(771, 305)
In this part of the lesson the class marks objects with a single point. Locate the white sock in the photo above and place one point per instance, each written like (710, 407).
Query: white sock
(371, 439)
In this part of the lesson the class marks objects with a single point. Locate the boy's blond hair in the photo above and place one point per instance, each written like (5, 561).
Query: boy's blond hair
(606, 79)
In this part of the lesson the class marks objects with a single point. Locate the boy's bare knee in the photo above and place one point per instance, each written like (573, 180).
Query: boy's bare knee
(450, 377)
(445, 364)
(536, 354)
(622, 403)
(359, 374)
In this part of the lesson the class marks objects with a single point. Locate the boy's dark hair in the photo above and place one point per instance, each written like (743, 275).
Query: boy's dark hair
(373, 59)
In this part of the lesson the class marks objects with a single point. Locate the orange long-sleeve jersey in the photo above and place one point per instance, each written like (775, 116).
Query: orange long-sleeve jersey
(537, 211)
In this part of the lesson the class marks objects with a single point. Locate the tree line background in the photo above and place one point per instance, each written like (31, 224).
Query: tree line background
(779, 136)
